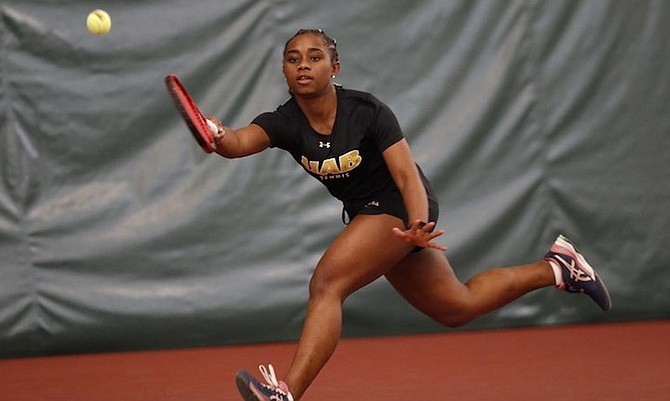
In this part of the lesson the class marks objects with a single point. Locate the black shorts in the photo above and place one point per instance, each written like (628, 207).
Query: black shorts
(389, 202)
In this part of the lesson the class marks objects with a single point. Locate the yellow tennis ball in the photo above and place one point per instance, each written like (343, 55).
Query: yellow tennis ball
(99, 22)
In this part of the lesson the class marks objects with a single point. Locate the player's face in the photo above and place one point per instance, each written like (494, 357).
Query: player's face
(307, 66)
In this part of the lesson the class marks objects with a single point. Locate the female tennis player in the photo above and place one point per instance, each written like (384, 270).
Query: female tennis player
(353, 144)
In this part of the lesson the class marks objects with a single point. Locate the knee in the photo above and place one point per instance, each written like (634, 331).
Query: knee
(322, 285)
(316, 287)
(458, 316)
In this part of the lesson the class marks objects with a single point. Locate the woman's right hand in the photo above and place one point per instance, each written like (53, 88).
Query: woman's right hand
(221, 131)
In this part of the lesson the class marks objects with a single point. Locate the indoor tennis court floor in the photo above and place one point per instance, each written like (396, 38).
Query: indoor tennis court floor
(620, 361)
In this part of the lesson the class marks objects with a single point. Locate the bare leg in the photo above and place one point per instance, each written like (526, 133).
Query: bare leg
(341, 271)
(363, 252)
(428, 282)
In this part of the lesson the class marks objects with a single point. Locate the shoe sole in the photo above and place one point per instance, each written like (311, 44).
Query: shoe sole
(606, 303)
(243, 380)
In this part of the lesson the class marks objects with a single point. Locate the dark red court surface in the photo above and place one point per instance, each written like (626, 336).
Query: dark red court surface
(627, 361)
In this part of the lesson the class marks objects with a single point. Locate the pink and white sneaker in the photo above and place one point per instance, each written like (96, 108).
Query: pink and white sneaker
(253, 390)
(576, 275)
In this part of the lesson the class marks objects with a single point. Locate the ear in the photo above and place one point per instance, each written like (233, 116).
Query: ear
(283, 71)
(335, 70)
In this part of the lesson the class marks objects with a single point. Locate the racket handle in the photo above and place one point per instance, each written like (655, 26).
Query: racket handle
(213, 128)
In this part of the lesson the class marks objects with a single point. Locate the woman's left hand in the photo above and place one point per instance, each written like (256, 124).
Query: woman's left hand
(420, 234)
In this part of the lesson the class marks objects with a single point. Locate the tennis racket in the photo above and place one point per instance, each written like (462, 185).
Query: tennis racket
(203, 130)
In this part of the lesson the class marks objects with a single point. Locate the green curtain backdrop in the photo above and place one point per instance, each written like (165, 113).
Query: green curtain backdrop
(531, 117)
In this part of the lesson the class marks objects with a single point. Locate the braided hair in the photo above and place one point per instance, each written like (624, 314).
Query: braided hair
(331, 44)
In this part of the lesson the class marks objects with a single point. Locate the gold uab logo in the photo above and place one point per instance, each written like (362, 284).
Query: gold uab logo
(335, 165)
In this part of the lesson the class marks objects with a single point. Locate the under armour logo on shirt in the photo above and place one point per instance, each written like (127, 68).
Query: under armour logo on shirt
(323, 144)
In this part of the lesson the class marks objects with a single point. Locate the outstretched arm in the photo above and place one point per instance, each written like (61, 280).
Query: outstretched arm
(232, 143)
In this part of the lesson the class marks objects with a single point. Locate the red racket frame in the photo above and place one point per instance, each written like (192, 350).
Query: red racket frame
(195, 120)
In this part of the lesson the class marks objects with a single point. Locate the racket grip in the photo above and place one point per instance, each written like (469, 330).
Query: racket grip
(213, 128)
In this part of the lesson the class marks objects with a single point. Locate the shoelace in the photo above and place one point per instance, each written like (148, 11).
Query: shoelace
(269, 374)
(271, 378)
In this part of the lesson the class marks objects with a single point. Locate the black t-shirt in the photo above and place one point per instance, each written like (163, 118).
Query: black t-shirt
(348, 162)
